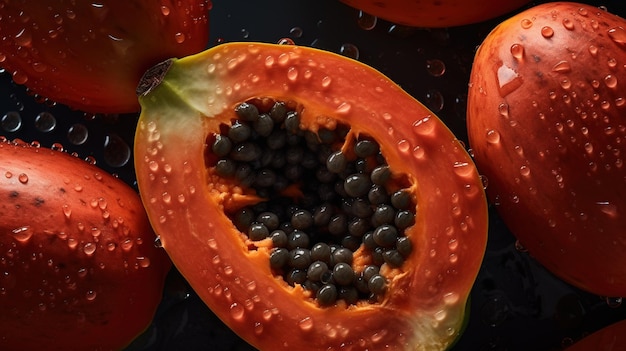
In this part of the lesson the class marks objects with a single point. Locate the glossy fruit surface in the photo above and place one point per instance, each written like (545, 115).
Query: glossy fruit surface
(186, 200)
(78, 265)
(610, 338)
(428, 13)
(546, 120)
(90, 55)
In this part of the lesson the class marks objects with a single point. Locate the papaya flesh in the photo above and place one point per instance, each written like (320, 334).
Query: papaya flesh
(189, 103)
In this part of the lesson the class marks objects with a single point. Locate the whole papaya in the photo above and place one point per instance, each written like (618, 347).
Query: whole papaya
(78, 266)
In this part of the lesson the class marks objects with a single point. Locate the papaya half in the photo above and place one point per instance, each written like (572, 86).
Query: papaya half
(309, 201)
(78, 266)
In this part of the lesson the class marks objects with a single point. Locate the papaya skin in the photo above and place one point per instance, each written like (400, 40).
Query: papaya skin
(426, 300)
(436, 14)
(609, 338)
(546, 123)
(78, 265)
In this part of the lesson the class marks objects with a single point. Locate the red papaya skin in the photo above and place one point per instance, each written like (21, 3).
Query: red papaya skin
(78, 265)
(436, 14)
(90, 55)
(610, 338)
(546, 119)
(425, 303)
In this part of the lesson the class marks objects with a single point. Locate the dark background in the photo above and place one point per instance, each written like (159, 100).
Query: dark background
(515, 304)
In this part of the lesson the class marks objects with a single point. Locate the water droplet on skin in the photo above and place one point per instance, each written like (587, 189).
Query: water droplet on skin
(165, 10)
(526, 23)
(404, 146)
(349, 50)
(90, 295)
(20, 77)
(127, 244)
(179, 37)
(23, 38)
(568, 24)
(610, 81)
(435, 67)
(366, 21)
(493, 137)
(608, 208)
(503, 109)
(292, 74)
(517, 50)
(22, 234)
(562, 67)
(618, 35)
(144, 262)
(77, 134)
(11, 121)
(547, 32)
(158, 243)
(593, 50)
(326, 81)
(89, 249)
(423, 126)
(343, 108)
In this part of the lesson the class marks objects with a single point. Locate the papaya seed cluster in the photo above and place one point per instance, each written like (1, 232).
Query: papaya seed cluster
(328, 196)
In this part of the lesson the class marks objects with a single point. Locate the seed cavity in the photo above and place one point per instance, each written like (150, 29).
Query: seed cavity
(332, 209)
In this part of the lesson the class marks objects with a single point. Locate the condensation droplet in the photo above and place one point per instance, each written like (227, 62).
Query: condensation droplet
(349, 50)
(11, 121)
(618, 35)
(562, 67)
(568, 24)
(296, 32)
(547, 32)
(117, 153)
(237, 311)
(89, 249)
(517, 50)
(526, 23)
(23, 178)
(90, 295)
(434, 100)
(366, 21)
(610, 81)
(493, 137)
(435, 67)
(45, 122)
(22, 234)
(77, 134)
(306, 324)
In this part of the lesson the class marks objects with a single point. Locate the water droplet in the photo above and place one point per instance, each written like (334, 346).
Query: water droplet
(23, 178)
(562, 67)
(424, 126)
(237, 311)
(326, 81)
(343, 108)
(434, 100)
(618, 35)
(77, 134)
(526, 23)
(22, 234)
(435, 67)
(296, 32)
(349, 50)
(11, 121)
(157, 242)
(366, 21)
(404, 146)
(492, 137)
(165, 10)
(517, 50)
(524, 170)
(614, 302)
(568, 24)
(89, 249)
(306, 324)
(116, 151)
(23, 38)
(593, 50)
(179, 37)
(127, 244)
(610, 81)
(463, 169)
(144, 262)
(608, 208)
(90, 295)
(245, 33)
(547, 32)
(284, 41)
(45, 122)
(503, 109)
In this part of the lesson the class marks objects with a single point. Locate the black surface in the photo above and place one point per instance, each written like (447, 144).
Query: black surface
(515, 305)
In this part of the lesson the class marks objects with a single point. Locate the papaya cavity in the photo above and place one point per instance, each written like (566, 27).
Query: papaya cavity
(334, 211)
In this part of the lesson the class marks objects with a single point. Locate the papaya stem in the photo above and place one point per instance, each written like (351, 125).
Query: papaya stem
(153, 77)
